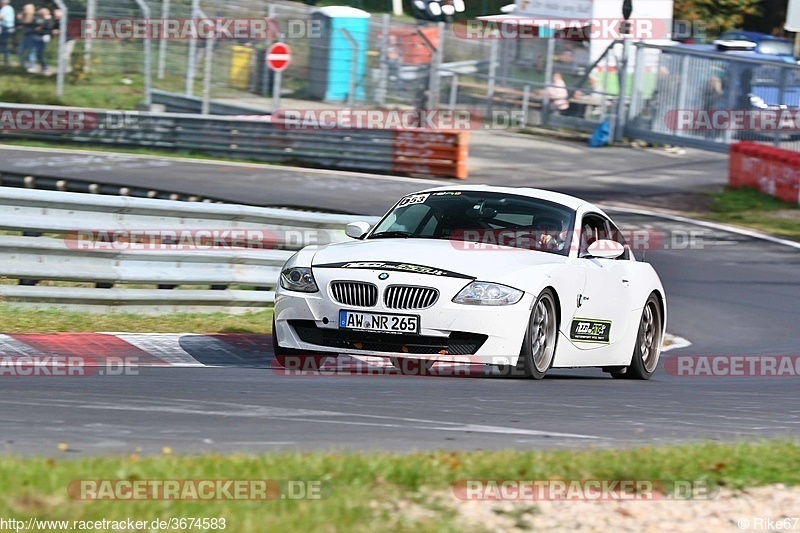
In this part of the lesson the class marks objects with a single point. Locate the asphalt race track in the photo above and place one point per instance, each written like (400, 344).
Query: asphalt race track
(728, 294)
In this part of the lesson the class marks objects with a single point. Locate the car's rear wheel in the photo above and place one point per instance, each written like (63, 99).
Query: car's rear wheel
(539, 345)
(412, 367)
(647, 349)
(298, 360)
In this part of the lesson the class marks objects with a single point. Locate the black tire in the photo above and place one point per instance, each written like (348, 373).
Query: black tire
(297, 360)
(648, 342)
(541, 336)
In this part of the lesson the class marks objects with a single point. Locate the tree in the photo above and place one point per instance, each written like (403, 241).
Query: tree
(717, 15)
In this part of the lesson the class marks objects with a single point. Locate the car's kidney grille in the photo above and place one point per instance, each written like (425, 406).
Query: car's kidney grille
(355, 293)
(409, 297)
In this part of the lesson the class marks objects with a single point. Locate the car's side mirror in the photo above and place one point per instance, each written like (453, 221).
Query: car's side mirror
(356, 230)
(605, 249)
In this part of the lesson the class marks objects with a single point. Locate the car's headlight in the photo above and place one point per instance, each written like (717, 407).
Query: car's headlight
(298, 279)
(485, 293)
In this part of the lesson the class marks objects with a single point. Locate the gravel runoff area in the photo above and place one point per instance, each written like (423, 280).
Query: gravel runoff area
(774, 507)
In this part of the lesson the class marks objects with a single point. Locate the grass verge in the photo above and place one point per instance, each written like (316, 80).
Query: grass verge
(754, 209)
(105, 92)
(20, 320)
(370, 491)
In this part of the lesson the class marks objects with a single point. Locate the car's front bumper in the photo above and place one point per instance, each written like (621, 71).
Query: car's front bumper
(486, 333)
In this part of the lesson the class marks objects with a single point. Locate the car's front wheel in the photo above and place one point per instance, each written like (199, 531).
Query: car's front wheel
(539, 345)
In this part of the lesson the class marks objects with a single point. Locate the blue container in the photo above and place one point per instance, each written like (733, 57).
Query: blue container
(330, 65)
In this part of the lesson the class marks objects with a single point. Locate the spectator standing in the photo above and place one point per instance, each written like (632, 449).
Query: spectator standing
(7, 23)
(26, 21)
(42, 32)
(558, 94)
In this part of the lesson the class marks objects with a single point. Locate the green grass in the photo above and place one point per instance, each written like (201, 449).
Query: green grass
(754, 209)
(20, 320)
(369, 491)
(108, 92)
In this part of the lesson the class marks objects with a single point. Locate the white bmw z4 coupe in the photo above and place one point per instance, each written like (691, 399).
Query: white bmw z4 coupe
(524, 279)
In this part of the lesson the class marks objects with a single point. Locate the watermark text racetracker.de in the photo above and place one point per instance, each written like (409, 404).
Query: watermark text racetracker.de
(46, 119)
(182, 29)
(198, 489)
(709, 120)
(637, 239)
(583, 490)
(581, 29)
(194, 240)
(394, 119)
(67, 366)
(733, 366)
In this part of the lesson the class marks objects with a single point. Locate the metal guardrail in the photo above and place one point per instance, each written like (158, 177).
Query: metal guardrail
(408, 151)
(143, 244)
(88, 185)
(180, 103)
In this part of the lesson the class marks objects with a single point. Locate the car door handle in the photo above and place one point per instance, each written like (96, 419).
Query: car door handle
(626, 282)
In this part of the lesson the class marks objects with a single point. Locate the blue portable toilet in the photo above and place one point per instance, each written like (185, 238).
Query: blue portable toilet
(331, 55)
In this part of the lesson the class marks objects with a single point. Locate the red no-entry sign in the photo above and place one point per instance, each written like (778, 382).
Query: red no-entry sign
(278, 57)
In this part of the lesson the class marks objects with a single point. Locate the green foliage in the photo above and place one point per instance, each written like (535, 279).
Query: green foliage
(718, 15)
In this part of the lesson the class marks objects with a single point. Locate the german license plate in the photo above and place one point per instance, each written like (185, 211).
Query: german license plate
(380, 322)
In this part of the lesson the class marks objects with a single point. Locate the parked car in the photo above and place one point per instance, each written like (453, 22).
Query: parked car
(759, 43)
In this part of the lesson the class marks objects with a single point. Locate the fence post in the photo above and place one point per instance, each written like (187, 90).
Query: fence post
(526, 99)
(491, 81)
(207, 72)
(162, 41)
(453, 92)
(682, 90)
(91, 10)
(62, 47)
(351, 91)
(636, 88)
(190, 64)
(383, 82)
(147, 54)
(433, 68)
(380, 93)
(436, 63)
(781, 93)
(271, 15)
(548, 79)
(622, 72)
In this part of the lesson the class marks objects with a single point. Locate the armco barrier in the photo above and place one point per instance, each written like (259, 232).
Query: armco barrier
(771, 170)
(179, 103)
(47, 268)
(409, 151)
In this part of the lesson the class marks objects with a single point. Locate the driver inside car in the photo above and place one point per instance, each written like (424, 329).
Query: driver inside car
(551, 235)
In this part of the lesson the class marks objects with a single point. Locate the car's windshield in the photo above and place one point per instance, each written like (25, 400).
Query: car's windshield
(483, 218)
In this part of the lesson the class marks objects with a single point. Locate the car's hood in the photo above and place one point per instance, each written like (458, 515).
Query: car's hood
(454, 257)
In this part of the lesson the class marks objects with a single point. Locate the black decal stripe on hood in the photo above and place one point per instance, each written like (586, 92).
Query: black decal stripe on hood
(395, 267)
